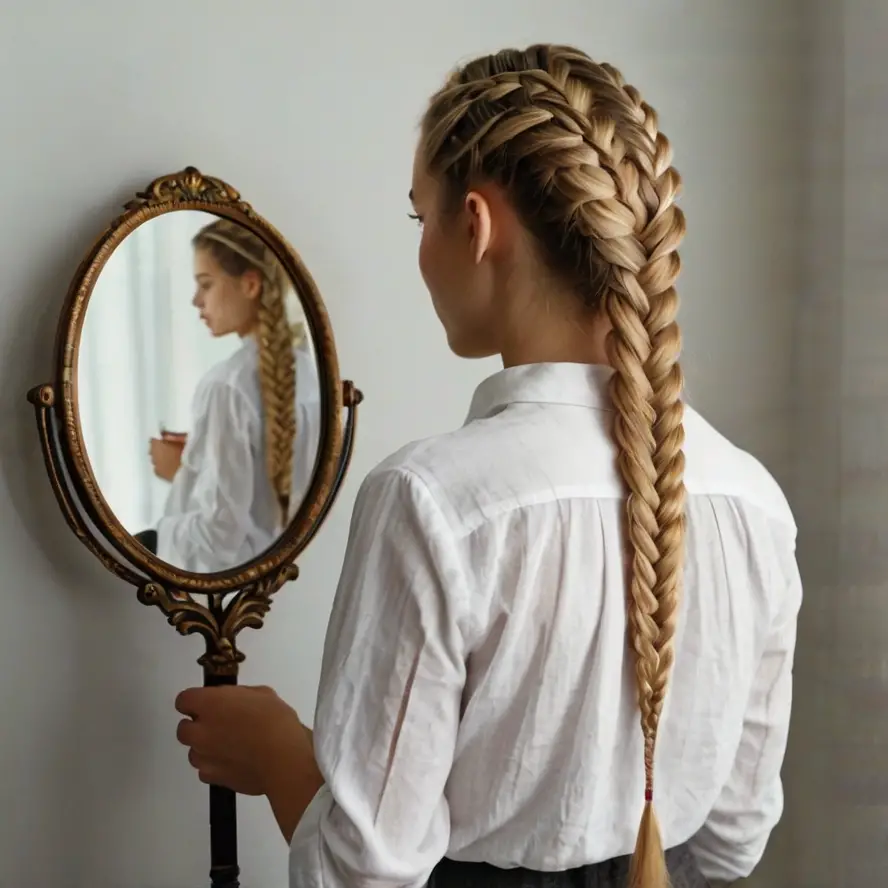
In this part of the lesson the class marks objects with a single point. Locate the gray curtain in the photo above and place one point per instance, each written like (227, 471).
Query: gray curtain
(835, 829)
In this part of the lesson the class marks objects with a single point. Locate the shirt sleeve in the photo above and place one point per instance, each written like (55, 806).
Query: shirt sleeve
(736, 833)
(211, 524)
(389, 702)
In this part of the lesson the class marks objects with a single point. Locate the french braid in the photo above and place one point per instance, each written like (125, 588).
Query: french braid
(582, 158)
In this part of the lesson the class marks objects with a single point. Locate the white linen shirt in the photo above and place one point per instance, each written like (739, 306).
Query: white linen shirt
(477, 698)
(221, 510)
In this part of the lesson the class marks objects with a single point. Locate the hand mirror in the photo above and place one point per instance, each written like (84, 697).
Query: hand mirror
(196, 430)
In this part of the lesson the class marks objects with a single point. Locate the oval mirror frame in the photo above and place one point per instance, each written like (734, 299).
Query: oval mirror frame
(72, 477)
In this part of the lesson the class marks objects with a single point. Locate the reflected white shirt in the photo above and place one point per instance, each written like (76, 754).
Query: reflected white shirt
(477, 698)
(221, 510)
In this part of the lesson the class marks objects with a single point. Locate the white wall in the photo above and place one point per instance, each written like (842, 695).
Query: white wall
(310, 112)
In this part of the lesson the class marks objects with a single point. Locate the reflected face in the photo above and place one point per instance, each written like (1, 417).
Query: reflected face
(457, 280)
(227, 304)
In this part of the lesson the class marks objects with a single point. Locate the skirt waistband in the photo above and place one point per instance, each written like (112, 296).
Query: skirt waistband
(682, 865)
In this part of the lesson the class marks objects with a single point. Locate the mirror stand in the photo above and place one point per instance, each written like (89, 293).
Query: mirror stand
(218, 621)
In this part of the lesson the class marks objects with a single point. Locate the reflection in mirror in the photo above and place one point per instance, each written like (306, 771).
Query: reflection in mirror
(198, 389)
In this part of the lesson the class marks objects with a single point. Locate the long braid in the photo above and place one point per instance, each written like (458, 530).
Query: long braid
(277, 377)
(648, 181)
(581, 157)
(237, 250)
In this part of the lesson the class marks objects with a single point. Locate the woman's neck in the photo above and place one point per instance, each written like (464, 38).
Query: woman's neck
(555, 340)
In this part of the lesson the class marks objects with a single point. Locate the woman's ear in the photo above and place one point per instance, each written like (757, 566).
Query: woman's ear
(480, 226)
(251, 284)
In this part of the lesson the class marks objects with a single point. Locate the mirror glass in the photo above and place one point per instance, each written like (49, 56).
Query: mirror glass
(198, 390)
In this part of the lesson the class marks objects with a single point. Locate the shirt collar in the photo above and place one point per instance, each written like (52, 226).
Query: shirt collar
(577, 385)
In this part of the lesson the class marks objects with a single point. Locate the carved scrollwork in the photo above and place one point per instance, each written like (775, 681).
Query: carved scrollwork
(219, 625)
(186, 186)
(248, 609)
(182, 611)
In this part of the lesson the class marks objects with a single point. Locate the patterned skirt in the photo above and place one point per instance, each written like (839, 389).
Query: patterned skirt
(682, 866)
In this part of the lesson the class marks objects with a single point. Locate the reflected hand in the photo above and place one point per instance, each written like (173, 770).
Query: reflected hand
(166, 457)
(244, 738)
(174, 437)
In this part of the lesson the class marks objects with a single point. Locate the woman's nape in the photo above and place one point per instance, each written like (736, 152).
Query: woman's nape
(546, 195)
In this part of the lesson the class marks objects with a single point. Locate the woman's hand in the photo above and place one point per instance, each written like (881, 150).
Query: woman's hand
(251, 741)
(166, 456)
(238, 736)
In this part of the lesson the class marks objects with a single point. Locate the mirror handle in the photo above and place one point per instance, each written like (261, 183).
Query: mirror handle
(224, 867)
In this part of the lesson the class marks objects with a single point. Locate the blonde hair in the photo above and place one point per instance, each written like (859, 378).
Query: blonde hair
(582, 159)
(238, 250)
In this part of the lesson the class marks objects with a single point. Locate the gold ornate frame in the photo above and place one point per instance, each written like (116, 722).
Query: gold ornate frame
(235, 599)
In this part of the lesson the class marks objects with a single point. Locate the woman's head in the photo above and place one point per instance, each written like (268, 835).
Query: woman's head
(232, 270)
(242, 288)
(544, 164)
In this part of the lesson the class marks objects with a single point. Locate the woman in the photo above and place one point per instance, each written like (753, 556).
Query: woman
(478, 715)
(247, 463)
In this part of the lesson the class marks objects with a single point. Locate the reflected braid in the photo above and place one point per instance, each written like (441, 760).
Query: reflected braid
(277, 376)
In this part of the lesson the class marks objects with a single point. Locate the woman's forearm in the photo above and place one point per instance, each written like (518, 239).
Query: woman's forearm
(291, 794)
(296, 782)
